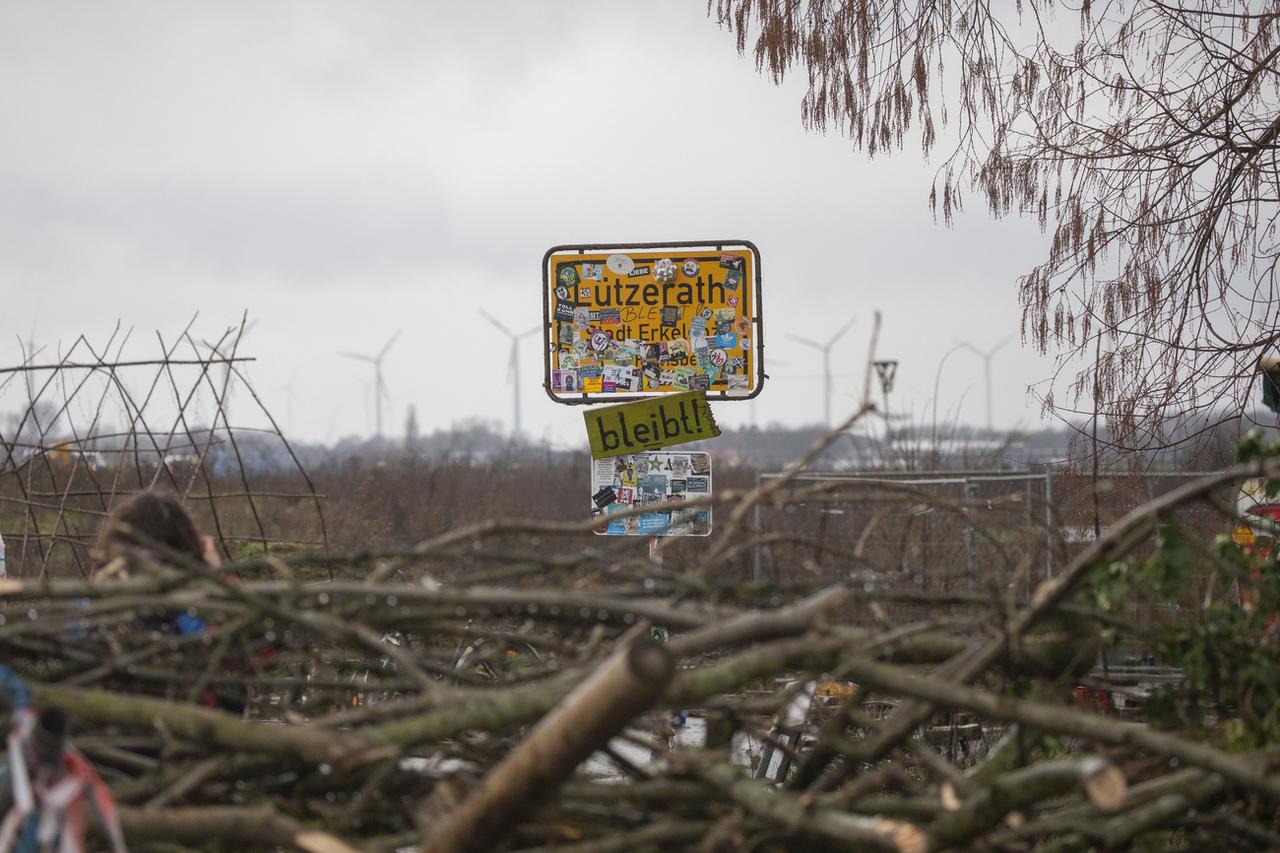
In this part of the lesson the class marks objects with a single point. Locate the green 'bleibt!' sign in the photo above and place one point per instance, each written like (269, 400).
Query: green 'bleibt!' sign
(649, 424)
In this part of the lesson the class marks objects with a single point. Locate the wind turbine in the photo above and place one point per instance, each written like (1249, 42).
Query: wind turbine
(216, 350)
(379, 386)
(29, 353)
(986, 367)
(289, 394)
(513, 365)
(825, 349)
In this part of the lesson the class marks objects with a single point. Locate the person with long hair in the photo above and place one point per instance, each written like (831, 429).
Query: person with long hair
(154, 526)
(144, 521)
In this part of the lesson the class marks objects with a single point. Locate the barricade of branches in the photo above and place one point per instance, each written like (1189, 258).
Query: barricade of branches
(474, 692)
(98, 420)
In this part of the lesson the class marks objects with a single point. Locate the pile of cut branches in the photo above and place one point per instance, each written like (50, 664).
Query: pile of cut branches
(478, 693)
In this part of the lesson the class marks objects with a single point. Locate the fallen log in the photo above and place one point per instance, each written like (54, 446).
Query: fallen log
(621, 688)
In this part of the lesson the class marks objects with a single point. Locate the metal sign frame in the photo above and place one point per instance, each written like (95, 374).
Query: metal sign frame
(549, 337)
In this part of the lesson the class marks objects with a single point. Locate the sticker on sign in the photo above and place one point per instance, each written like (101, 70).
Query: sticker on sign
(623, 486)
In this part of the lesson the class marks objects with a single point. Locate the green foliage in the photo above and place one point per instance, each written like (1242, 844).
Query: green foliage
(249, 550)
(1223, 648)
(1254, 446)
(1229, 662)
(1223, 636)
(1168, 571)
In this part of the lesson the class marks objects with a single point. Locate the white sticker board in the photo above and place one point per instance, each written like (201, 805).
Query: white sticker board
(623, 483)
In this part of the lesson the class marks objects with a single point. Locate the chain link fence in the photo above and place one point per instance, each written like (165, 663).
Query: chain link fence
(953, 533)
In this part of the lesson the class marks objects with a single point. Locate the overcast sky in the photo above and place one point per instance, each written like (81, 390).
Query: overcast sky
(342, 170)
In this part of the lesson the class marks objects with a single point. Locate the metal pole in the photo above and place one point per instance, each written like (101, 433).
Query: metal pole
(937, 380)
(888, 430)
(1048, 521)
(986, 369)
(515, 385)
(970, 537)
(377, 399)
(826, 384)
